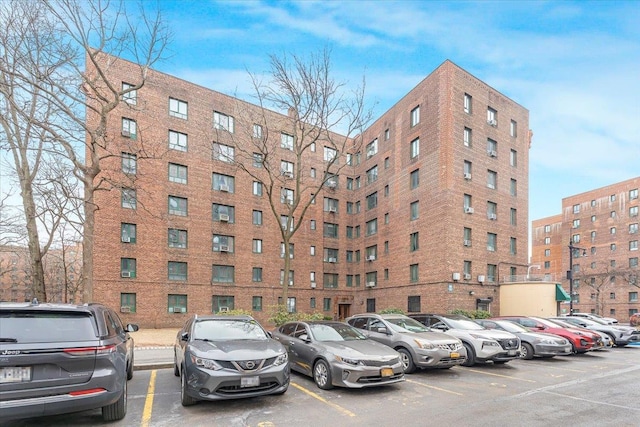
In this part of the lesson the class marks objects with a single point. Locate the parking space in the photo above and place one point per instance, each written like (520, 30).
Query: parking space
(596, 388)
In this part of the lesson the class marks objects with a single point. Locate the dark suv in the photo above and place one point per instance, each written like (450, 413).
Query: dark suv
(60, 358)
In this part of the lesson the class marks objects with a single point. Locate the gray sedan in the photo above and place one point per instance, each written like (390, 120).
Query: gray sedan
(336, 354)
(532, 344)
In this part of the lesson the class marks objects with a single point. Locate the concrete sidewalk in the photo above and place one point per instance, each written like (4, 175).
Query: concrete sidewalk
(153, 348)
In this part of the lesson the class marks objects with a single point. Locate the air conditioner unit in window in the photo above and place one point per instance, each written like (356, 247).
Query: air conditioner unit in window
(468, 209)
(126, 239)
(224, 217)
(481, 278)
(125, 274)
(125, 309)
(223, 310)
(492, 153)
(371, 284)
(492, 122)
(288, 174)
(332, 184)
(371, 258)
(467, 242)
(224, 248)
(467, 276)
(492, 216)
(224, 188)
(467, 176)
(313, 285)
(126, 133)
(332, 260)
(290, 282)
(455, 277)
(333, 209)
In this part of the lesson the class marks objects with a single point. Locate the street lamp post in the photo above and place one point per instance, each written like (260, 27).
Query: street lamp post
(570, 272)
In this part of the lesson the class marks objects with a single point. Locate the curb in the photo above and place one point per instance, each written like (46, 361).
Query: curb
(149, 366)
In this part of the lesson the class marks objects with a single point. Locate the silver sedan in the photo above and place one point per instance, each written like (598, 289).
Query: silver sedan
(336, 354)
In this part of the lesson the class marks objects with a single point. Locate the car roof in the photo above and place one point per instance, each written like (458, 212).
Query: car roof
(48, 306)
(198, 318)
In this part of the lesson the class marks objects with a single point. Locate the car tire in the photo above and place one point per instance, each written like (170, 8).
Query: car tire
(526, 351)
(322, 375)
(130, 368)
(407, 360)
(176, 369)
(471, 355)
(118, 409)
(185, 399)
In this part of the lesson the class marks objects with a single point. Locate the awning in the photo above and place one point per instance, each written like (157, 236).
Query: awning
(561, 294)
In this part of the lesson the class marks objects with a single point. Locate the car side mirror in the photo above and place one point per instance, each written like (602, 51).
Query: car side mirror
(440, 327)
(304, 337)
(131, 327)
(382, 330)
(184, 336)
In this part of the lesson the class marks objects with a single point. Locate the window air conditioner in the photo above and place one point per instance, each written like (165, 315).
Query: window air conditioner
(333, 209)
(224, 188)
(288, 174)
(492, 153)
(290, 282)
(126, 133)
(481, 278)
(492, 122)
(467, 242)
(467, 276)
(467, 176)
(492, 216)
(125, 274)
(223, 310)
(455, 276)
(224, 217)
(371, 258)
(126, 239)
(332, 184)
(313, 285)
(125, 309)
(468, 209)
(371, 284)
(333, 260)
(224, 248)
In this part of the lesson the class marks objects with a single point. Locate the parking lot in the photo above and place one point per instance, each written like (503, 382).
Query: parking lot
(599, 388)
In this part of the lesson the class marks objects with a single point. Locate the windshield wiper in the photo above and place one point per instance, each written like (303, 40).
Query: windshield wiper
(8, 340)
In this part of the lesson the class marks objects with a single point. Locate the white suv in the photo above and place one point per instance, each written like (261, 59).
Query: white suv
(482, 344)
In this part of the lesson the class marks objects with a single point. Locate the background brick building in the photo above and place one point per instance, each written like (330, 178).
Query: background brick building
(433, 207)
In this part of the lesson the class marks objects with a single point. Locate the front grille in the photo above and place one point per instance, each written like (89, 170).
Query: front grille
(378, 379)
(378, 363)
(245, 365)
(451, 347)
(236, 389)
(509, 343)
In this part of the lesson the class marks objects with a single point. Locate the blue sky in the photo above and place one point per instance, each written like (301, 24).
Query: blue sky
(574, 64)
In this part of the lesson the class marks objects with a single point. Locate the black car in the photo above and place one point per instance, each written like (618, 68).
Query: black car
(61, 358)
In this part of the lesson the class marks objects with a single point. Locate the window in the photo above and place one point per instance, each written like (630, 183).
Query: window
(414, 241)
(386, 134)
(291, 304)
(612, 247)
(349, 183)
(593, 218)
(492, 210)
(468, 103)
(633, 262)
(330, 280)
(128, 198)
(177, 173)
(372, 148)
(177, 206)
(513, 187)
(258, 159)
(415, 116)
(414, 208)
(286, 220)
(128, 302)
(513, 246)
(633, 228)
(312, 172)
(547, 252)
(467, 201)
(256, 303)
(177, 270)
(177, 108)
(291, 277)
(331, 180)
(224, 153)
(222, 303)
(224, 183)
(467, 137)
(372, 200)
(286, 168)
(286, 141)
(386, 190)
(492, 148)
(223, 243)
(466, 267)
(415, 148)
(223, 273)
(291, 250)
(492, 179)
(612, 230)
(612, 198)
(575, 223)
(514, 216)
(257, 131)
(326, 304)
(257, 217)
(371, 253)
(372, 174)
(129, 163)
(330, 230)
(467, 233)
(312, 224)
(466, 169)
(612, 214)
(330, 154)
(257, 246)
(286, 196)
(547, 240)
(513, 158)
(177, 238)
(575, 238)
(176, 303)
(127, 233)
(256, 275)
(223, 122)
(633, 211)
(513, 129)
(576, 209)
(372, 227)
(330, 205)
(128, 267)
(371, 278)
(224, 213)
(257, 188)
(178, 141)
(387, 163)
(130, 97)
(312, 147)
(633, 296)
(413, 273)
(491, 242)
(633, 194)
(129, 128)
(414, 179)
(492, 116)
(371, 305)
(547, 265)
(491, 272)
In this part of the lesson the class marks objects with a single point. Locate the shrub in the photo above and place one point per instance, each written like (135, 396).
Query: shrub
(235, 312)
(474, 314)
(279, 316)
(392, 310)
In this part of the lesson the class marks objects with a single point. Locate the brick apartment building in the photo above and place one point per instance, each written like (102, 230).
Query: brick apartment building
(603, 223)
(434, 206)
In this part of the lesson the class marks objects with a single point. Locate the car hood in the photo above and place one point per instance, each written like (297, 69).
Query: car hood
(492, 334)
(543, 335)
(360, 349)
(434, 337)
(236, 349)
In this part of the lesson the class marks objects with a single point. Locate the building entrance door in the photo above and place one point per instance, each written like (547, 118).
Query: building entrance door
(344, 311)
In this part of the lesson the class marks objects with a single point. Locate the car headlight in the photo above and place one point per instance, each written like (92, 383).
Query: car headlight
(205, 363)
(426, 345)
(490, 344)
(547, 341)
(349, 361)
(281, 359)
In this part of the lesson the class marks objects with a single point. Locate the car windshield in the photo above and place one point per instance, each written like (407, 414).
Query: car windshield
(464, 324)
(550, 324)
(511, 327)
(406, 324)
(335, 332)
(228, 329)
(31, 326)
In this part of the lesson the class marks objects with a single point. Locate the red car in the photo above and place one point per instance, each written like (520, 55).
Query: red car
(581, 340)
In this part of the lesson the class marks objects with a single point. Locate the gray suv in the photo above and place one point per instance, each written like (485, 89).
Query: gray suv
(419, 347)
(60, 358)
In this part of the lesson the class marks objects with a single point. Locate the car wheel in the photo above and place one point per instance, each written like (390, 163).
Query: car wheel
(130, 368)
(471, 355)
(176, 370)
(322, 375)
(526, 351)
(407, 361)
(118, 409)
(185, 399)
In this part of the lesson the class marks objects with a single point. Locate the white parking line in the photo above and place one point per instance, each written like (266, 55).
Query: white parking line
(435, 388)
(323, 400)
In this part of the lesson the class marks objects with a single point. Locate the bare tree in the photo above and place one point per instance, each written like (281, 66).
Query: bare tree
(317, 107)
(64, 50)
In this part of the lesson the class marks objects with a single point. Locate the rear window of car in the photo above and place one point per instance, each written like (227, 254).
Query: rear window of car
(46, 327)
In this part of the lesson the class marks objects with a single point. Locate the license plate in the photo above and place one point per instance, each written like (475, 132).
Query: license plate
(15, 375)
(513, 352)
(454, 355)
(249, 381)
(386, 372)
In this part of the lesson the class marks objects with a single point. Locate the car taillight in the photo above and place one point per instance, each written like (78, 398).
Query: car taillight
(88, 351)
(89, 391)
